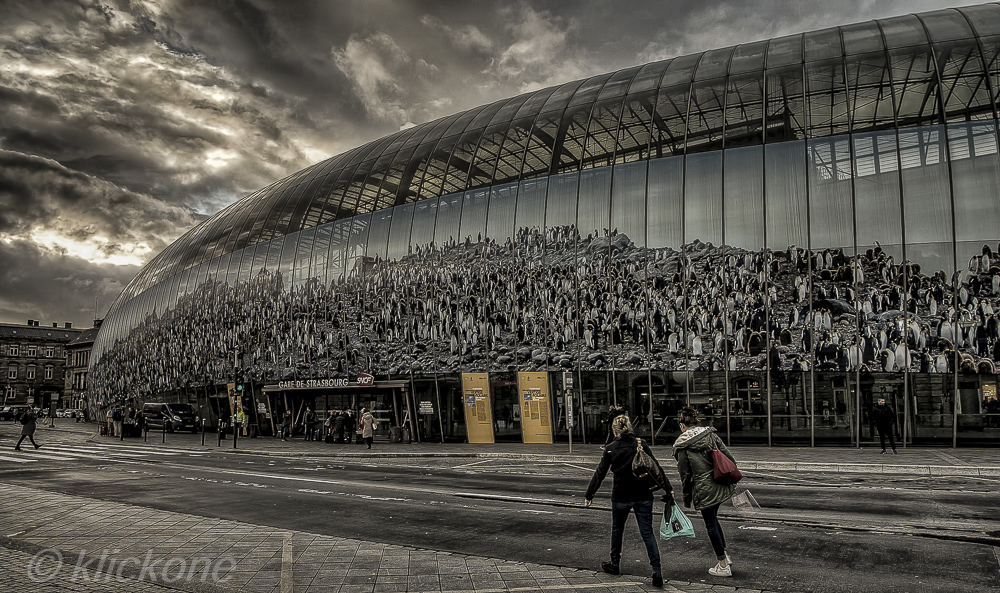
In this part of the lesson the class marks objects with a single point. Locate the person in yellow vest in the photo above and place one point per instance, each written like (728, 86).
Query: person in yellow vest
(239, 418)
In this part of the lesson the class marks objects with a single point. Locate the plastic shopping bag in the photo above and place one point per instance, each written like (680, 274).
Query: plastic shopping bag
(678, 525)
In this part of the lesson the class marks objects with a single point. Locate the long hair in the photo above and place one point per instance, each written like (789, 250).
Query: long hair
(621, 425)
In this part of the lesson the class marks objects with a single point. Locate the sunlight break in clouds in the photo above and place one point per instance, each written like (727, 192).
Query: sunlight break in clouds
(95, 249)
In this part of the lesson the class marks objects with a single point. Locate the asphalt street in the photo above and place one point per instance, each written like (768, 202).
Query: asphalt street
(815, 531)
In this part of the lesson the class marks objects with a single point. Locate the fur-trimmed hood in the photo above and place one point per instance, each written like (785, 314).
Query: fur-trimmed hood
(696, 438)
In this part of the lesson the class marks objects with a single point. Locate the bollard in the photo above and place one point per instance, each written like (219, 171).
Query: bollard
(145, 433)
(164, 431)
(236, 432)
(202, 432)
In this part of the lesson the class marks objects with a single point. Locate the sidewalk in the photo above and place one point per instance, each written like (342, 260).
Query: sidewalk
(926, 461)
(58, 542)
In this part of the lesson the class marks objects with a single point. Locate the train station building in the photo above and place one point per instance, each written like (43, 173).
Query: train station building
(777, 233)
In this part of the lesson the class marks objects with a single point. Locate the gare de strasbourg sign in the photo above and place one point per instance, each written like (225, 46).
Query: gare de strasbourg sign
(362, 380)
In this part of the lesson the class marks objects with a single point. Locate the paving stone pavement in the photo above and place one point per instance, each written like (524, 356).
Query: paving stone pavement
(59, 542)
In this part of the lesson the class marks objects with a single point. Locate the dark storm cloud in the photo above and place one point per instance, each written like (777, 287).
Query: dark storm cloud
(38, 285)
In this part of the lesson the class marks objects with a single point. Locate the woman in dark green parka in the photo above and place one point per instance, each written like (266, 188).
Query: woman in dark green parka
(692, 450)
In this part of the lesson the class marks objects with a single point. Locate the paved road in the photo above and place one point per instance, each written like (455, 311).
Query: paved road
(819, 531)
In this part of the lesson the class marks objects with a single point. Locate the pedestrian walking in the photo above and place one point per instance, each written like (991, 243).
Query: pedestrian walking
(885, 421)
(340, 424)
(27, 428)
(310, 424)
(286, 425)
(692, 450)
(629, 494)
(367, 427)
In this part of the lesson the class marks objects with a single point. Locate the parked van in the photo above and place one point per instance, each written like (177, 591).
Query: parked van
(173, 416)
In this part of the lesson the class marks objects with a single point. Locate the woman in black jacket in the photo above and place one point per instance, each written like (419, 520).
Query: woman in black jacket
(629, 493)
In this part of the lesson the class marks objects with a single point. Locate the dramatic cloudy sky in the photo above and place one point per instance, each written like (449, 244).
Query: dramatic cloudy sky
(123, 123)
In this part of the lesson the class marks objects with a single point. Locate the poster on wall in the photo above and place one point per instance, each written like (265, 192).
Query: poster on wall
(536, 426)
(478, 407)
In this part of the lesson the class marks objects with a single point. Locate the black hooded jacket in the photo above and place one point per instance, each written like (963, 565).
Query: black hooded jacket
(627, 487)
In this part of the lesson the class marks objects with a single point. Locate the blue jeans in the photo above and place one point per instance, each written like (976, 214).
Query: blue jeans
(715, 535)
(644, 517)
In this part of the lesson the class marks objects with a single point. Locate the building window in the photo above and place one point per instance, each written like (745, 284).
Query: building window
(12, 350)
(12, 372)
(48, 372)
(32, 351)
(31, 372)
(48, 352)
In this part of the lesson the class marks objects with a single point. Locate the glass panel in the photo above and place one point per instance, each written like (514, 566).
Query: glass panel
(500, 220)
(749, 57)
(487, 154)
(618, 84)
(571, 138)
(424, 217)
(587, 92)
(648, 78)
(745, 111)
(594, 209)
(558, 100)
(320, 253)
(666, 205)
(706, 115)
(670, 121)
(633, 130)
(915, 86)
(449, 217)
(946, 25)
(356, 243)
(399, 234)
(714, 63)
(703, 199)
(827, 99)
(339, 239)
(378, 234)
(540, 146)
(976, 184)
(628, 199)
(902, 31)
(869, 94)
(963, 83)
(437, 165)
(744, 198)
(562, 200)
(985, 18)
(876, 189)
(926, 195)
(785, 105)
(787, 217)
(474, 216)
(784, 51)
(303, 251)
(823, 45)
(603, 132)
(461, 162)
(287, 259)
(861, 38)
(512, 154)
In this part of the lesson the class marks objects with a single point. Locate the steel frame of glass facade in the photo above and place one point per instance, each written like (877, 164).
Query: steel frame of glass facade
(777, 233)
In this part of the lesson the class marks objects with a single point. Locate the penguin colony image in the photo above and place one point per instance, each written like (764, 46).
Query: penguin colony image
(555, 299)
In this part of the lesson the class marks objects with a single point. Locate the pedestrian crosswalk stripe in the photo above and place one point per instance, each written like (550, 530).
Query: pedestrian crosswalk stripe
(14, 459)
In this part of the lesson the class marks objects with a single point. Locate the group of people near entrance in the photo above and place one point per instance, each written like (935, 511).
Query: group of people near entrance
(631, 494)
(338, 426)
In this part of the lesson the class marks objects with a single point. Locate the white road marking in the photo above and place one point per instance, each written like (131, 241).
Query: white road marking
(286, 564)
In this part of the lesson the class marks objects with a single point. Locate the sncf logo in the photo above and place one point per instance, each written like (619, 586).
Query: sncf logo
(365, 379)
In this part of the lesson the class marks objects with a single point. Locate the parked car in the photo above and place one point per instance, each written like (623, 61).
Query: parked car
(172, 416)
(13, 412)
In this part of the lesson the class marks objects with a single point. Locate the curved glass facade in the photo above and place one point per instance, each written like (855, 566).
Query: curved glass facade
(777, 233)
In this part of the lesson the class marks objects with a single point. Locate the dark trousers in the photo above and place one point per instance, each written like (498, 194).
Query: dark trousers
(715, 535)
(368, 441)
(644, 517)
(21, 440)
(886, 431)
(310, 432)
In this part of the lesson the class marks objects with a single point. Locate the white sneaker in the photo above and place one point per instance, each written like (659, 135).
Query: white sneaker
(719, 571)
